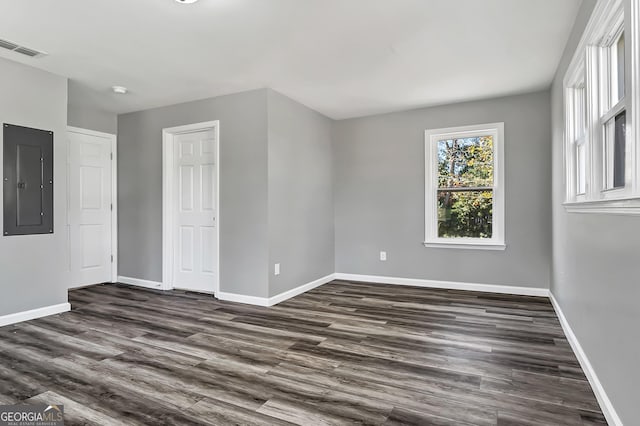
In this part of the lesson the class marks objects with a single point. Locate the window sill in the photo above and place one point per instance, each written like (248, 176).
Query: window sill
(465, 245)
(623, 206)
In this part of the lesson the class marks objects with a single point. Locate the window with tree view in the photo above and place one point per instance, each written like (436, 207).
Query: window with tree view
(465, 187)
(463, 193)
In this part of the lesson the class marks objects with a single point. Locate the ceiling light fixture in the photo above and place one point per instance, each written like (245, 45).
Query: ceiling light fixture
(120, 90)
(186, 1)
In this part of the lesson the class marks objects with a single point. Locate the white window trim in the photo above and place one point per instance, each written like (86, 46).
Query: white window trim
(432, 136)
(602, 27)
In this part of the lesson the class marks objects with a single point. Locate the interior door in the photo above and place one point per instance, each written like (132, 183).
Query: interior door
(195, 236)
(90, 204)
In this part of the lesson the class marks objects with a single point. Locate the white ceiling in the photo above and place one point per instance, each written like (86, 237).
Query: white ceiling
(344, 58)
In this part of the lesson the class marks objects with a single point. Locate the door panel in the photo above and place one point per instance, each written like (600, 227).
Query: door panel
(195, 252)
(92, 256)
(91, 181)
(186, 249)
(208, 196)
(208, 237)
(90, 209)
(186, 188)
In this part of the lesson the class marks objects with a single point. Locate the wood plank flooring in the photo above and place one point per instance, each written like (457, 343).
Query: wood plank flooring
(344, 353)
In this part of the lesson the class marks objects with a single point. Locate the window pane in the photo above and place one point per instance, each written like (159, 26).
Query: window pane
(619, 150)
(614, 151)
(465, 214)
(620, 68)
(465, 162)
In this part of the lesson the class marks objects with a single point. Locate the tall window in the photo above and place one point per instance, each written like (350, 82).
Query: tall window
(602, 102)
(464, 187)
(577, 132)
(614, 115)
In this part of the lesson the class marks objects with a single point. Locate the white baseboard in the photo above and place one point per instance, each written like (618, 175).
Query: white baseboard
(34, 313)
(451, 285)
(487, 288)
(270, 301)
(140, 283)
(299, 290)
(604, 401)
(241, 298)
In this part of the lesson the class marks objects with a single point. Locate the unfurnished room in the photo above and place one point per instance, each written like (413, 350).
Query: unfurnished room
(320, 212)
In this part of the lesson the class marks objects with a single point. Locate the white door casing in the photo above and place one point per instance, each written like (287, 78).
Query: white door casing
(91, 207)
(190, 204)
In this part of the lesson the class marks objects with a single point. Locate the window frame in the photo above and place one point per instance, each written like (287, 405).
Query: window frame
(608, 109)
(576, 81)
(432, 137)
(595, 56)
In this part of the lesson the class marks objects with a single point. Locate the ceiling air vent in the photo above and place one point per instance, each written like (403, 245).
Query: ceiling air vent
(6, 44)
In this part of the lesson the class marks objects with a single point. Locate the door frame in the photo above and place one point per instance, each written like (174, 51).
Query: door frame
(114, 194)
(168, 177)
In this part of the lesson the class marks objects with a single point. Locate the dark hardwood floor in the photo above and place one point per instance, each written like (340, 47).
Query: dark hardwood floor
(343, 353)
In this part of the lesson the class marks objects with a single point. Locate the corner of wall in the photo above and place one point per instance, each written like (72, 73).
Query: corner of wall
(300, 194)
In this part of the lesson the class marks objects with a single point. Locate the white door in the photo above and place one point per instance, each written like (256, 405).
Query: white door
(90, 203)
(195, 245)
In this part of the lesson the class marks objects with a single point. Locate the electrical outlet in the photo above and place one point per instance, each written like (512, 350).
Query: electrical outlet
(276, 269)
(383, 256)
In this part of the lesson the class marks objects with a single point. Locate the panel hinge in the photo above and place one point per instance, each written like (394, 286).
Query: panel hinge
(112, 207)
(111, 258)
(111, 156)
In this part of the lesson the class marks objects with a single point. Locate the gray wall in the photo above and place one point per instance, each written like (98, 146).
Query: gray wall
(379, 194)
(34, 269)
(596, 270)
(301, 232)
(243, 188)
(92, 119)
(82, 110)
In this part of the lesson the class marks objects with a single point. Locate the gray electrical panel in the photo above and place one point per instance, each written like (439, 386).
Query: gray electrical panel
(27, 180)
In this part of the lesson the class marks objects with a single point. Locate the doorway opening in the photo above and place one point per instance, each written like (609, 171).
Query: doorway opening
(92, 219)
(190, 207)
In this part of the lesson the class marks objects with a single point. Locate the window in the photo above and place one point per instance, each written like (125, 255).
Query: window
(464, 197)
(602, 102)
(577, 134)
(614, 117)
